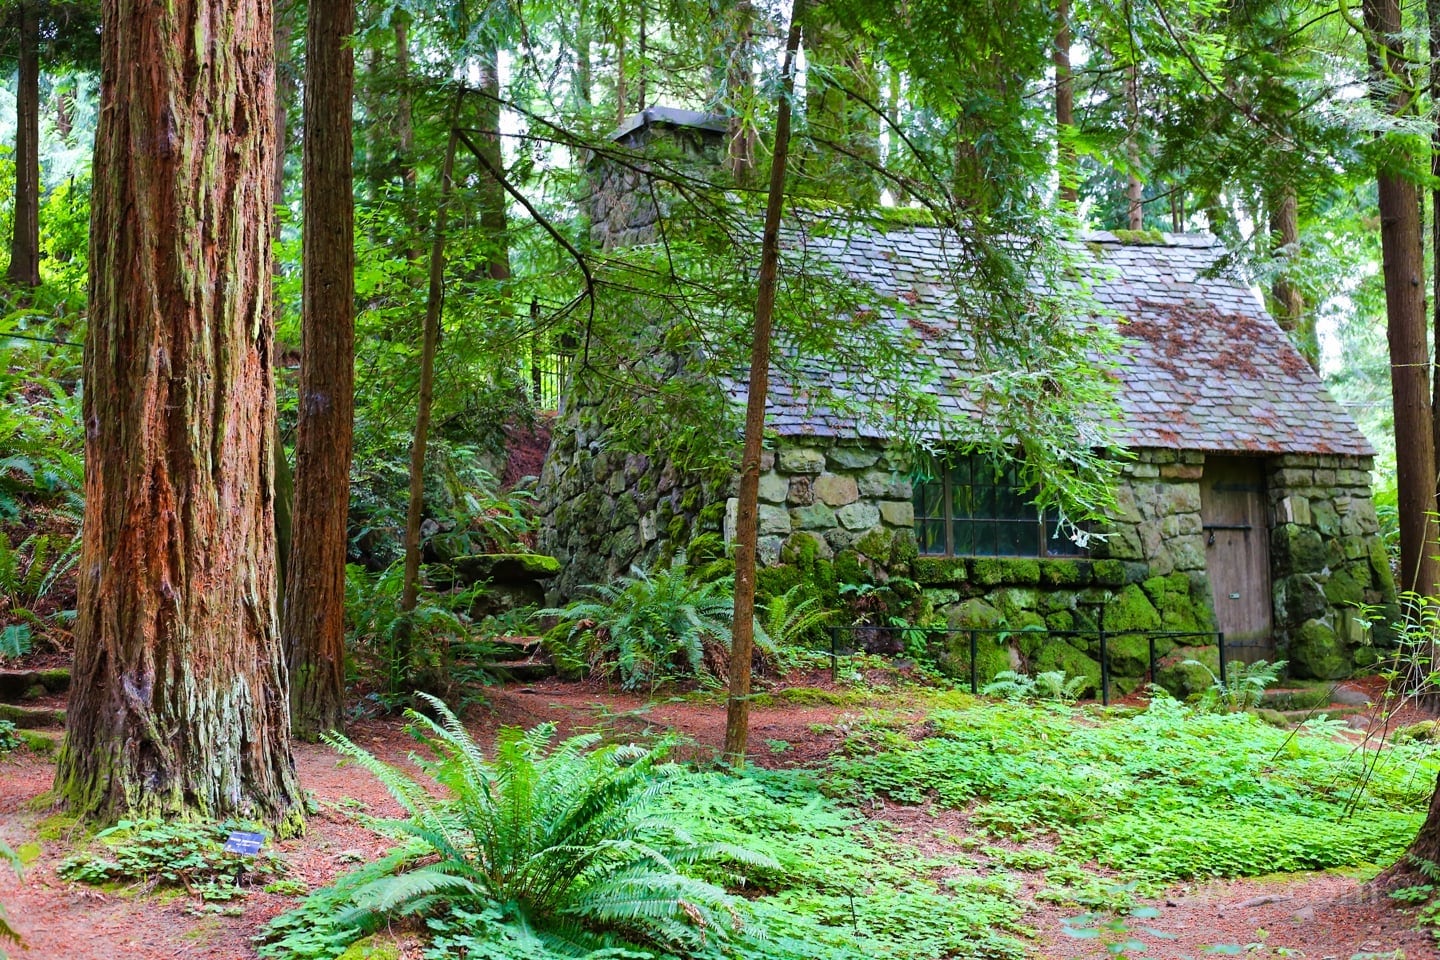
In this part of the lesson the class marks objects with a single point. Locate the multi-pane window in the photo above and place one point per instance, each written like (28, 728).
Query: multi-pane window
(972, 510)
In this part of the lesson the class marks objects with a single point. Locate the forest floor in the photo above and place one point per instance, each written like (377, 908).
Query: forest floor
(1311, 915)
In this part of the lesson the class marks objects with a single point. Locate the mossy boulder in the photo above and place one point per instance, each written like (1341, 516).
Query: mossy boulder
(1174, 599)
(1185, 679)
(371, 948)
(1315, 652)
(1130, 610)
(1129, 655)
(994, 571)
(1109, 573)
(991, 657)
(940, 571)
(1065, 573)
(506, 568)
(1062, 656)
(1346, 586)
(1297, 549)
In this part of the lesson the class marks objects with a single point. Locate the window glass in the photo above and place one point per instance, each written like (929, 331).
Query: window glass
(986, 513)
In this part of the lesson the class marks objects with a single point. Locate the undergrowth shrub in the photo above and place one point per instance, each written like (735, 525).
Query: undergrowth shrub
(1050, 685)
(1165, 795)
(649, 627)
(562, 844)
(173, 854)
(8, 740)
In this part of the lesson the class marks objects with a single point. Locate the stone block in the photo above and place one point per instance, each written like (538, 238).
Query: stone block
(801, 460)
(861, 515)
(1181, 471)
(1297, 549)
(1294, 509)
(732, 517)
(841, 539)
(1142, 471)
(1293, 477)
(1325, 518)
(1179, 498)
(835, 490)
(773, 487)
(767, 549)
(774, 519)
(1130, 609)
(1180, 524)
(802, 492)
(802, 543)
(992, 571)
(1187, 553)
(880, 483)
(815, 516)
(898, 513)
(852, 458)
(1316, 653)
(940, 570)
(648, 528)
(1300, 598)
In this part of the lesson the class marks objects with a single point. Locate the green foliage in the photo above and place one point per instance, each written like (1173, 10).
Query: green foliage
(1243, 687)
(29, 572)
(792, 618)
(7, 932)
(415, 650)
(173, 854)
(8, 740)
(565, 841)
(1164, 795)
(651, 627)
(1050, 685)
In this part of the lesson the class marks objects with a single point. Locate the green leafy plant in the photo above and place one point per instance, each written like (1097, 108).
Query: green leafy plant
(8, 740)
(564, 840)
(29, 572)
(7, 932)
(790, 617)
(1050, 685)
(1243, 687)
(174, 854)
(651, 627)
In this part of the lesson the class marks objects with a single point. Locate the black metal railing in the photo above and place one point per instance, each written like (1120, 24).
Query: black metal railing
(890, 640)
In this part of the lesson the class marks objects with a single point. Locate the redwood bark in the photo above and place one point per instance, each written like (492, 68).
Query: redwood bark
(25, 236)
(1404, 272)
(179, 704)
(1065, 108)
(315, 587)
(742, 643)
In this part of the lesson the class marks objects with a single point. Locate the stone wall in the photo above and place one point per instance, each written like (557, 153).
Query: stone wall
(603, 511)
(1327, 560)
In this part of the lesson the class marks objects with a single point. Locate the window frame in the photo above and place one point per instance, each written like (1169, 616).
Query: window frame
(998, 503)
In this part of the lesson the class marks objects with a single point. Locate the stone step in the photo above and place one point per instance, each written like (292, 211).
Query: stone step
(45, 742)
(32, 718)
(520, 671)
(1297, 698)
(19, 685)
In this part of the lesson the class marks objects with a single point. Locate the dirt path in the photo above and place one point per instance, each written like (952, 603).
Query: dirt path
(1313, 916)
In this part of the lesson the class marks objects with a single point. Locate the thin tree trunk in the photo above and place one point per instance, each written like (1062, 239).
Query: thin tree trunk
(1065, 108)
(1134, 189)
(621, 94)
(739, 92)
(737, 707)
(25, 238)
(179, 704)
(583, 68)
(1432, 13)
(1404, 273)
(315, 590)
(434, 303)
(1289, 302)
(492, 197)
(405, 130)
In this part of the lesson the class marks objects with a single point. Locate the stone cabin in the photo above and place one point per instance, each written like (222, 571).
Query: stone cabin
(1246, 507)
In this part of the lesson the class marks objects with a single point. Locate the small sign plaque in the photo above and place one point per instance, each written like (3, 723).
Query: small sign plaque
(245, 844)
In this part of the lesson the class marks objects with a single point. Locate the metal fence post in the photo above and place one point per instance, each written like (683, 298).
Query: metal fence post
(974, 667)
(1152, 658)
(1221, 637)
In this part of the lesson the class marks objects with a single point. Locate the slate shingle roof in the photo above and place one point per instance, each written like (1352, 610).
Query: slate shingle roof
(1204, 366)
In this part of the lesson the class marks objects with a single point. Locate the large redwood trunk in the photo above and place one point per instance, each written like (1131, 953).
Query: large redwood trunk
(315, 587)
(179, 702)
(25, 238)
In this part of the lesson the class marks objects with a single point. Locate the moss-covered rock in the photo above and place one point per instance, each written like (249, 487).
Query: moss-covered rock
(1128, 653)
(1186, 679)
(506, 568)
(1109, 573)
(994, 571)
(1297, 549)
(991, 657)
(1130, 610)
(1062, 656)
(1061, 621)
(1065, 573)
(1346, 586)
(371, 948)
(939, 570)
(1315, 652)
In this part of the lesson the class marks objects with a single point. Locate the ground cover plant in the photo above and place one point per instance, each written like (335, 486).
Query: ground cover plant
(1167, 794)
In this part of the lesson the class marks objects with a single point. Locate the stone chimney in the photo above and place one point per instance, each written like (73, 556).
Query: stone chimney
(621, 204)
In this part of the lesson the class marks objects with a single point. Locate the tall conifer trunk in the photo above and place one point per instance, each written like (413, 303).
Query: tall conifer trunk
(25, 237)
(1065, 109)
(178, 704)
(315, 587)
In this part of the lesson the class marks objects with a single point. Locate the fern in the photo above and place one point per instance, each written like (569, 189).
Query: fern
(652, 626)
(1243, 687)
(562, 839)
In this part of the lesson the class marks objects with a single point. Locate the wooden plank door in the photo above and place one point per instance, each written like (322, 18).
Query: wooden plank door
(1237, 554)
